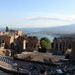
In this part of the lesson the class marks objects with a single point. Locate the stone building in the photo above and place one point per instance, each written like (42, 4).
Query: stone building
(18, 45)
(62, 43)
(72, 56)
(18, 42)
(5, 41)
(32, 43)
(15, 38)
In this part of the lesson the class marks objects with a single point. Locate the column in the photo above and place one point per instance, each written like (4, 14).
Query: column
(58, 46)
(24, 44)
(65, 46)
(54, 45)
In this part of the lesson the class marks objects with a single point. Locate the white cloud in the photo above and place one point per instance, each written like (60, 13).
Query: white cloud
(43, 21)
(47, 21)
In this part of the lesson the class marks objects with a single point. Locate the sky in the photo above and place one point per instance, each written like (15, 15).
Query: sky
(36, 13)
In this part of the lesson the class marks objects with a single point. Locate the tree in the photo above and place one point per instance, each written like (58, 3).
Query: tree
(45, 43)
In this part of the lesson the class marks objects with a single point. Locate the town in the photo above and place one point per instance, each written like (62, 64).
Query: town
(29, 55)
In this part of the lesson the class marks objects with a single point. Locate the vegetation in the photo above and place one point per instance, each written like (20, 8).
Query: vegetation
(45, 44)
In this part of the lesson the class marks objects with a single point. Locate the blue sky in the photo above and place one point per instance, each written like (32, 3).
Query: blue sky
(36, 13)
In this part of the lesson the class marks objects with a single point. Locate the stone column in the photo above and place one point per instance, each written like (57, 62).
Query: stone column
(62, 46)
(58, 45)
(72, 56)
(54, 46)
(24, 44)
(65, 46)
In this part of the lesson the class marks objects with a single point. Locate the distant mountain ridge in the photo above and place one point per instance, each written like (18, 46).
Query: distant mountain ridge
(68, 29)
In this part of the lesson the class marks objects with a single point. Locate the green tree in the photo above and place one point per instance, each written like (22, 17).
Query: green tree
(45, 43)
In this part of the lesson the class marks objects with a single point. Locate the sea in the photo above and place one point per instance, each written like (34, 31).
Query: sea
(39, 32)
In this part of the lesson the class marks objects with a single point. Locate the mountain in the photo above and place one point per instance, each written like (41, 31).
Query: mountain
(67, 29)
(50, 32)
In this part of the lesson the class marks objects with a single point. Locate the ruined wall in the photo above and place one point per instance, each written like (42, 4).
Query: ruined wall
(72, 56)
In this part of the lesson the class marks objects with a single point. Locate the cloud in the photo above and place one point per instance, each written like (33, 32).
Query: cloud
(42, 21)
(62, 19)
(43, 18)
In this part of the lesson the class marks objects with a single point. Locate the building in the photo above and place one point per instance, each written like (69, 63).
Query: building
(32, 43)
(8, 38)
(13, 37)
(61, 44)
(18, 42)
(72, 55)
